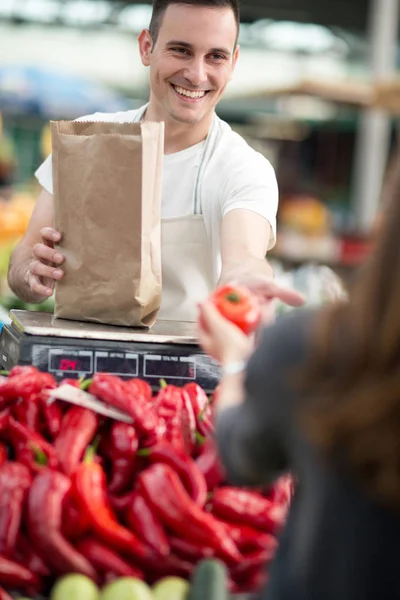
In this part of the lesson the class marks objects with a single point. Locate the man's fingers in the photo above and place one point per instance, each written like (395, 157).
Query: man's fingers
(47, 253)
(290, 297)
(48, 234)
(38, 288)
(41, 270)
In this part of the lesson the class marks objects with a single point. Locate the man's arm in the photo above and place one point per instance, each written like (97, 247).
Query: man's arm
(34, 263)
(244, 243)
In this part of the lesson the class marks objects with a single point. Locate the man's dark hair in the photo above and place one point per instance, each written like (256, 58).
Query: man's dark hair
(160, 6)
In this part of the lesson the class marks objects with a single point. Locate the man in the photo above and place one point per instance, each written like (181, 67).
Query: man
(219, 197)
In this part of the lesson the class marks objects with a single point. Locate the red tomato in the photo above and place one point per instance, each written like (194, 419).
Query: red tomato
(238, 306)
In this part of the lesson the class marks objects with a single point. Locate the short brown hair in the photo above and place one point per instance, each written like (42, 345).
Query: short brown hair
(160, 6)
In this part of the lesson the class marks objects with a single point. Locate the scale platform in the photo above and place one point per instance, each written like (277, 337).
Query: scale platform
(73, 349)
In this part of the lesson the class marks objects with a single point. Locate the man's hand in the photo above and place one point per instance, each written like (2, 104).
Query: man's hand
(43, 270)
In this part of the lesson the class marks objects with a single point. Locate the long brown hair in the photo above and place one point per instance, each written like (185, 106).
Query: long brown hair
(354, 377)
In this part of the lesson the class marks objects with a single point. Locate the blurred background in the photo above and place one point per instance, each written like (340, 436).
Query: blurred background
(315, 91)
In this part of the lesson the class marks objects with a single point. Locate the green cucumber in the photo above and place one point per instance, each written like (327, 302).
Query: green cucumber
(209, 580)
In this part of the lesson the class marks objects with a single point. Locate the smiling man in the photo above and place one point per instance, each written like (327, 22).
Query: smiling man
(219, 197)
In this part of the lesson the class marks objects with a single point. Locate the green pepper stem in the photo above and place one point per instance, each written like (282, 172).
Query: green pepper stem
(85, 384)
(39, 454)
(143, 452)
(163, 384)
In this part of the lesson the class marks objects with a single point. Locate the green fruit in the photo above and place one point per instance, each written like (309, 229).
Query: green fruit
(209, 581)
(75, 587)
(126, 588)
(171, 588)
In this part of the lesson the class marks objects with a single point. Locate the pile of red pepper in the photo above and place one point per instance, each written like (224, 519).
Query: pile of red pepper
(83, 493)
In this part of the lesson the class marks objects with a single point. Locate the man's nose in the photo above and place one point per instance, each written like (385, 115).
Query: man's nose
(195, 71)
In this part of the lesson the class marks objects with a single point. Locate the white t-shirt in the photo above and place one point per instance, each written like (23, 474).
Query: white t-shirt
(235, 176)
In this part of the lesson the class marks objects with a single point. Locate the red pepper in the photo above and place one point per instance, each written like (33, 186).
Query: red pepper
(74, 382)
(170, 565)
(15, 480)
(29, 442)
(236, 304)
(26, 411)
(210, 464)
(140, 387)
(45, 501)
(114, 391)
(141, 519)
(201, 408)
(90, 488)
(189, 551)
(248, 539)
(52, 416)
(282, 490)
(27, 556)
(5, 595)
(188, 423)
(74, 521)
(169, 407)
(77, 430)
(184, 466)
(23, 382)
(15, 576)
(165, 493)
(124, 444)
(252, 564)
(248, 507)
(4, 418)
(104, 559)
(3, 454)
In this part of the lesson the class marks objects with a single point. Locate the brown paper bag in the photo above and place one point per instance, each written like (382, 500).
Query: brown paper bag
(107, 193)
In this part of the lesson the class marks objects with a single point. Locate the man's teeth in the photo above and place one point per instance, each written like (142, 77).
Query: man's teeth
(188, 93)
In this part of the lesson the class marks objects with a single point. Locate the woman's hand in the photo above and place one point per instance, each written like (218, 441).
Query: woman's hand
(219, 338)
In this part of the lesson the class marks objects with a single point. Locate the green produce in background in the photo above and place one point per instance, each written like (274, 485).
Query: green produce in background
(125, 588)
(171, 588)
(209, 581)
(75, 587)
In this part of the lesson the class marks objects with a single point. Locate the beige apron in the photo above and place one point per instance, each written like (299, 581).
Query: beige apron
(187, 267)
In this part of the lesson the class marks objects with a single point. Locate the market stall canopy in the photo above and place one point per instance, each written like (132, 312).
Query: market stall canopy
(50, 94)
(336, 13)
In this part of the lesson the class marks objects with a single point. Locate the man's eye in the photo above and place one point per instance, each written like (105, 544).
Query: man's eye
(218, 57)
(180, 50)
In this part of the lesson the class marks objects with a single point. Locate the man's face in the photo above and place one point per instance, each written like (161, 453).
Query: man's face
(192, 60)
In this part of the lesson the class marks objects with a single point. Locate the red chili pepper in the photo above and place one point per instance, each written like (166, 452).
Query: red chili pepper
(114, 391)
(26, 412)
(282, 490)
(140, 387)
(15, 480)
(248, 507)
(15, 576)
(104, 559)
(169, 407)
(188, 422)
(210, 465)
(4, 417)
(46, 496)
(3, 454)
(124, 444)
(74, 521)
(90, 488)
(248, 539)
(23, 382)
(201, 408)
(170, 565)
(236, 304)
(31, 441)
(189, 551)
(184, 466)
(164, 491)
(5, 595)
(141, 520)
(252, 564)
(28, 557)
(77, 430)
(52, 417)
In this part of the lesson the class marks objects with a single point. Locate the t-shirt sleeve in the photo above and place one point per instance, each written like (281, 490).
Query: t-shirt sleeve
(251, 184)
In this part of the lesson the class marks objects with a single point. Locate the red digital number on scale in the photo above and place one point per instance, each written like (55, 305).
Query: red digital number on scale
(68, 364)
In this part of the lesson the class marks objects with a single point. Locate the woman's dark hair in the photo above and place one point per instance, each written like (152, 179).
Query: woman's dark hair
(160, 6)
(354, 377)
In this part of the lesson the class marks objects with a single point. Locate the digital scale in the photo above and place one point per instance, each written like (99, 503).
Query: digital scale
(74, 349)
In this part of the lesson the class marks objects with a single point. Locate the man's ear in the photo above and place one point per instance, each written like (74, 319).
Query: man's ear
(145, 46)
(236, 55)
